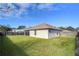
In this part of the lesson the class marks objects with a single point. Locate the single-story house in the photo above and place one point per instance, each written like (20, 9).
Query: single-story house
(44, 31)
(41, 31)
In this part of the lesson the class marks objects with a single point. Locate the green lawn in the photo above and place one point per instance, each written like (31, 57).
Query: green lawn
(29, 46)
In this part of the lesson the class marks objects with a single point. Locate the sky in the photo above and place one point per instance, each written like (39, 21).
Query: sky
(30, 14)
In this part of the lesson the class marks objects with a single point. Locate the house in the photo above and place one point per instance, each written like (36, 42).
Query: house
(44, 31)
(41, 31)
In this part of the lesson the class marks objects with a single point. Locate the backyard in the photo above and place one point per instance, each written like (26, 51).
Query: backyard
(20, 45)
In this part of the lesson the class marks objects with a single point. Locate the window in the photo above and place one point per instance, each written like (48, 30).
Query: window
(50, 31)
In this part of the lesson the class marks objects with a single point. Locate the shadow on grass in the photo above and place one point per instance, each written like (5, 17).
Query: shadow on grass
(8, 48)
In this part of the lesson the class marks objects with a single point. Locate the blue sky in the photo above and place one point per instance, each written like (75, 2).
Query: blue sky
(31, 14)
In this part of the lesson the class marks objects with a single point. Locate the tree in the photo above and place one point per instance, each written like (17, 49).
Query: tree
(62, 27)
(5, 28)
(70, 28)
(21, 27)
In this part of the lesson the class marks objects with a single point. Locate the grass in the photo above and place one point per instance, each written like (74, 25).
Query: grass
(30, 46)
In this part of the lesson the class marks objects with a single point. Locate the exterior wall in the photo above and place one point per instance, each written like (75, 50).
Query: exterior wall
(54, 33)
(39, 33)
(32, 33)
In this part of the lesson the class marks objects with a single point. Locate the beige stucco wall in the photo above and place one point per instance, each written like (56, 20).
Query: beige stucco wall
(39, 33)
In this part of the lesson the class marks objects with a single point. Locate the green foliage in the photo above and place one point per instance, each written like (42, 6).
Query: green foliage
(4, 28)
(70, 28)
(21, 27)
(62, 28)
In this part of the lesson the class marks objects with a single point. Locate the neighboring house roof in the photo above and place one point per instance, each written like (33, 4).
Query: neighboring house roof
(43, 26)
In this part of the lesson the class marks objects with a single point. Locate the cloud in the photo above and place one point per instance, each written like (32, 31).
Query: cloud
(22, 8)
(7, 9)
(47, 6)
(13, 8)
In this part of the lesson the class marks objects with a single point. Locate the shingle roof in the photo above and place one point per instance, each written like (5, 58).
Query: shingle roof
(43, 26)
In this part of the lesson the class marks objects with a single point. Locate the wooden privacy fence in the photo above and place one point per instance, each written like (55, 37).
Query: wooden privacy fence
(17, 33)
(77, 45)
(68, 34)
